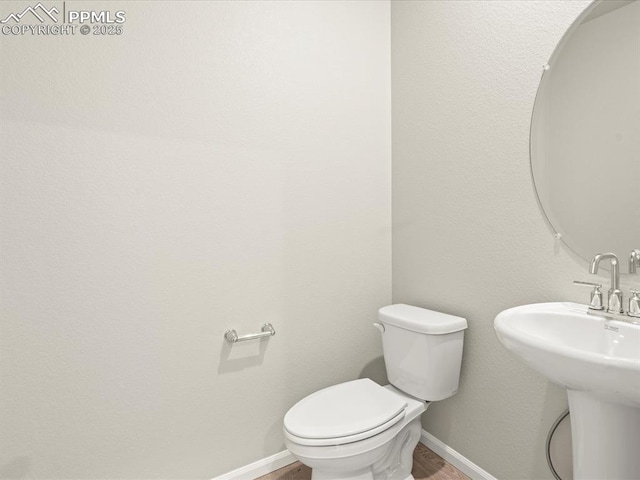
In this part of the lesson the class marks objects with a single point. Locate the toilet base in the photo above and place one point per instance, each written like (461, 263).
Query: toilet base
(368, 475)
(393, 461)
(398, 462)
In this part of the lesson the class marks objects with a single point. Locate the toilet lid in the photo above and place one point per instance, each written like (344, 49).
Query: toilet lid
(344, 410)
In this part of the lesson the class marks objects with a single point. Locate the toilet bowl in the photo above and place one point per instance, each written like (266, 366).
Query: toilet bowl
(359, 430)
(356, 430)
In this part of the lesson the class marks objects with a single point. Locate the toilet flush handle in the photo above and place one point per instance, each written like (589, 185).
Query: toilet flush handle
(379, 326)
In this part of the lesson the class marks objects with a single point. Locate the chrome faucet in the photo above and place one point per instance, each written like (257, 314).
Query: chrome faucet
(614, 302)
(634, 261)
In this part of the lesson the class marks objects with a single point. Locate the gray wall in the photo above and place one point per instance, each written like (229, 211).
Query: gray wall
(469, 237)
(218, 165)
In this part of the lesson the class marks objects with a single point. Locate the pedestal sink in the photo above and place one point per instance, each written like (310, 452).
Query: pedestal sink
(597, 359)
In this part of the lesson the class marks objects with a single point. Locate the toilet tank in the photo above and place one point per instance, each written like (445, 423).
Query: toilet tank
(422, 350)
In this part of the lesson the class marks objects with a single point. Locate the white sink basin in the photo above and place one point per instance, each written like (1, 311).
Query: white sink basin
(573, 348)
(598, 360)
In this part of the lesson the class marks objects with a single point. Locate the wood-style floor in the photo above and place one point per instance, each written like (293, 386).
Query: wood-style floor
(426, 465)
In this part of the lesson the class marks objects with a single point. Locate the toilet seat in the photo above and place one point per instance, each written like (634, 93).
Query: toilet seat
(344, 413)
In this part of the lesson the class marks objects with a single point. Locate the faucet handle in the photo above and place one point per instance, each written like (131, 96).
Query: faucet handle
(595, 303)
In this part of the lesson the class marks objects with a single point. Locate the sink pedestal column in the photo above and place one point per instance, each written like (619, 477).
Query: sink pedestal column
(605, 437)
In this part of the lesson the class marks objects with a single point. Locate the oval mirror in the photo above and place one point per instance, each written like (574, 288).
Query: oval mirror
(585, 132)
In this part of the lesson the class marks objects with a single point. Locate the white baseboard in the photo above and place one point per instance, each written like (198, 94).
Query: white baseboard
(454, 458)
(259, 468)
(284, 458)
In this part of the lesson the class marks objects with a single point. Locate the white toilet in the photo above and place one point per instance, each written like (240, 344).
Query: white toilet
(359, 430)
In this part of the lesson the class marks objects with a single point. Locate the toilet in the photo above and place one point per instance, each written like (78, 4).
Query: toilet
(359, 430)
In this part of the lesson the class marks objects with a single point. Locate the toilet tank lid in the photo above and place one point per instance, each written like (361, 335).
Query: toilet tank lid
(421, 320)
